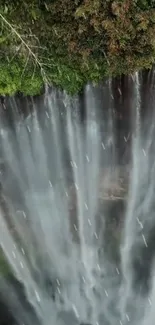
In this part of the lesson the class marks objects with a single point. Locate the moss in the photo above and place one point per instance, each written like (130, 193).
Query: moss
(4, 268)
(70, 42)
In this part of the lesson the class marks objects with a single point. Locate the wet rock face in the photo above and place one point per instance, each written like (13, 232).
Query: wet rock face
(112, 195)
(6, 317)
(13, 301)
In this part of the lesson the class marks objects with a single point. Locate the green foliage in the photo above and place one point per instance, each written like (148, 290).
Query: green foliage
(4, 268)
(9, 76)
(70, 42)
(145, 4)
(31, 84)
(14, 79)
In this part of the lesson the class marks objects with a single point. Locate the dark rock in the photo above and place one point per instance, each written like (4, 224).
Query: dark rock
(6, 317)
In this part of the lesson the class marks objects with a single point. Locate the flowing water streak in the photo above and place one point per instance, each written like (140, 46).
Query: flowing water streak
(44, 230)
(18, 262)
(130, 220)
(112, 126)
(137, 104)
(149, 314)
(139, 214)
(85, 155)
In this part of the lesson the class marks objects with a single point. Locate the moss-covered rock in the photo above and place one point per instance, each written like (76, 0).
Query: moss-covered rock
(70, 42)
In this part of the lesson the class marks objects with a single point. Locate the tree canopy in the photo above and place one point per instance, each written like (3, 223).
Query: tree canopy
(70, 42)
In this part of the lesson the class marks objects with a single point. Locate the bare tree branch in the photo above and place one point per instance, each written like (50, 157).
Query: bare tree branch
(26, 46)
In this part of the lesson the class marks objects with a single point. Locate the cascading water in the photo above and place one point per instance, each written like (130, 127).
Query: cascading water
(61, 173)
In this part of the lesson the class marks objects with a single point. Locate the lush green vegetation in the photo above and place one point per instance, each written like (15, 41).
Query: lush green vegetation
(68, 42)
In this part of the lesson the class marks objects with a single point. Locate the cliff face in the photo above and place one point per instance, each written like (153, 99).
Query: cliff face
(68, 42)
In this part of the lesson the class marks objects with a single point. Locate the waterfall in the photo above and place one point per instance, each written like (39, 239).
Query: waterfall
(77, 205)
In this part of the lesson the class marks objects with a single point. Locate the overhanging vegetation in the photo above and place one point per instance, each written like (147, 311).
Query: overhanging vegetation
(70, 42)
